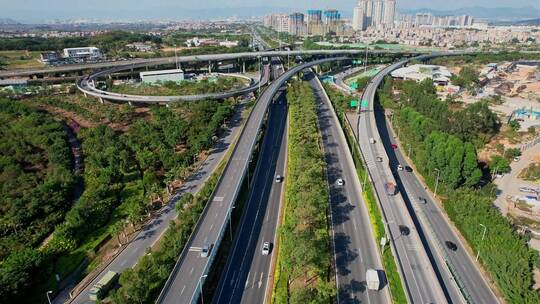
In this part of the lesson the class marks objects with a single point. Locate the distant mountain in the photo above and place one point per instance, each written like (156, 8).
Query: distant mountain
(8, 21)
(527, 22)
(492, 14)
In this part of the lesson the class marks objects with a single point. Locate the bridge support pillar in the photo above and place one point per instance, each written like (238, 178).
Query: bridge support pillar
(243, 67)
(84, 93)
(168, 105)
(101, 100)
(130, 103)
(209, 67)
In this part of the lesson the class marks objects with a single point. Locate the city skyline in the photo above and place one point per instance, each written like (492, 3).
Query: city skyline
(38, 11)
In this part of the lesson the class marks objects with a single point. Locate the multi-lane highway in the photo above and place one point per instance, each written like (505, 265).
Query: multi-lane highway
(427, 215)
(183, 286)
(355, 247)
(420, 279)
(436, 225)
(247, 273)
(152, 231)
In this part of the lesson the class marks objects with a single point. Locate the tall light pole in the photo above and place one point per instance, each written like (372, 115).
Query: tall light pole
(365, 61)
(483, 235)
(409, 152)
(260, 75)
(47, 294)
(437, 182)
(200, 284)
(175, 56)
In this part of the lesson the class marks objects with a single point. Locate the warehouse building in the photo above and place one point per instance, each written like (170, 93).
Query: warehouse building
(153, 77)
(91, 53)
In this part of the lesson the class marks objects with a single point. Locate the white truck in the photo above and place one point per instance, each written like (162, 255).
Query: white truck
(372, 279)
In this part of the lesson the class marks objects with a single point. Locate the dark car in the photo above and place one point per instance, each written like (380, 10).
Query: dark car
(422, 200)
(408, 169)
(404, 230)
(451, 245)
(394, 146)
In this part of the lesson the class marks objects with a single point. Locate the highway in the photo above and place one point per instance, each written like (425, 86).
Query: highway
(87, 86)
(419, 277)
(138, 63)
(355, 248)
(183, 286)
(153, 230)
(435, 222)
(246, 275)
(428, 216)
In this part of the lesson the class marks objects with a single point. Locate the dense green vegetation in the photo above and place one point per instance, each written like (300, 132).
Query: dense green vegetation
(304, 261)
(36, 182)
(124, 176)
(340, 103)
(441, 149)
(143, 283)
(475, 123)
(108, 41)
(171, 88)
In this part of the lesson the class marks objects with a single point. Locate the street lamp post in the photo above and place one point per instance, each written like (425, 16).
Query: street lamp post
(175, 57)
(437, 182)
(47, 294)
(483, 235)
(409, 153)
(230, 222)
(260, 75)
(200, 284)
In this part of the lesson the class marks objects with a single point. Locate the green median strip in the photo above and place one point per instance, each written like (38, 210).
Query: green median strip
(303, 270)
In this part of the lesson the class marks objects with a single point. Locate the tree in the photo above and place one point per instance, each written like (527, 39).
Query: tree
(514, 125)
(499, 164)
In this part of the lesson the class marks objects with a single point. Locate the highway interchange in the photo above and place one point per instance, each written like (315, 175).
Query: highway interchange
(425, 265)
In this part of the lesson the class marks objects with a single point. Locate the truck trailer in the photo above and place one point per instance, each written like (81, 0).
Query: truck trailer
(372, 279)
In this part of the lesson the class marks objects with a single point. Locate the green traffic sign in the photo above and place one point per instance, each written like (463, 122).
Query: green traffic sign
(354, 103)
(354, 85)
(365, 103)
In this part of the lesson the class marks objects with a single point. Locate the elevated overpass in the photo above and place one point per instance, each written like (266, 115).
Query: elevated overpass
(138, 63)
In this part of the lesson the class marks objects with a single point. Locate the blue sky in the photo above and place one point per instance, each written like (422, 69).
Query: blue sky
(34, 10)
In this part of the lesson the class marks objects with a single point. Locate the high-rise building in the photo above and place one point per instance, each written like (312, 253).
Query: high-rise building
(314, 16)
(368, 8)
(377, 13)
(389, 13)
(331, 15)
(359, 16)
(314, 22)
(296, 24)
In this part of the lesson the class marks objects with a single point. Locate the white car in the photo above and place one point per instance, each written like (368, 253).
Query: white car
(266, 248)
(279, 178)
(340, 182)
(400, 168)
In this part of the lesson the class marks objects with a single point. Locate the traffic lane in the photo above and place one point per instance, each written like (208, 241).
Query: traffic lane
(419, 275)
(355, 246)
(460, 259)
(451, 291)
(152, 231)
(261, 265)
(233, 281)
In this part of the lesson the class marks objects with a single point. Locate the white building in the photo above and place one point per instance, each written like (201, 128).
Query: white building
(359, 17)
(83, 53)
(389, 13)
(378, 13)
(153, 77)
(418, 72)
